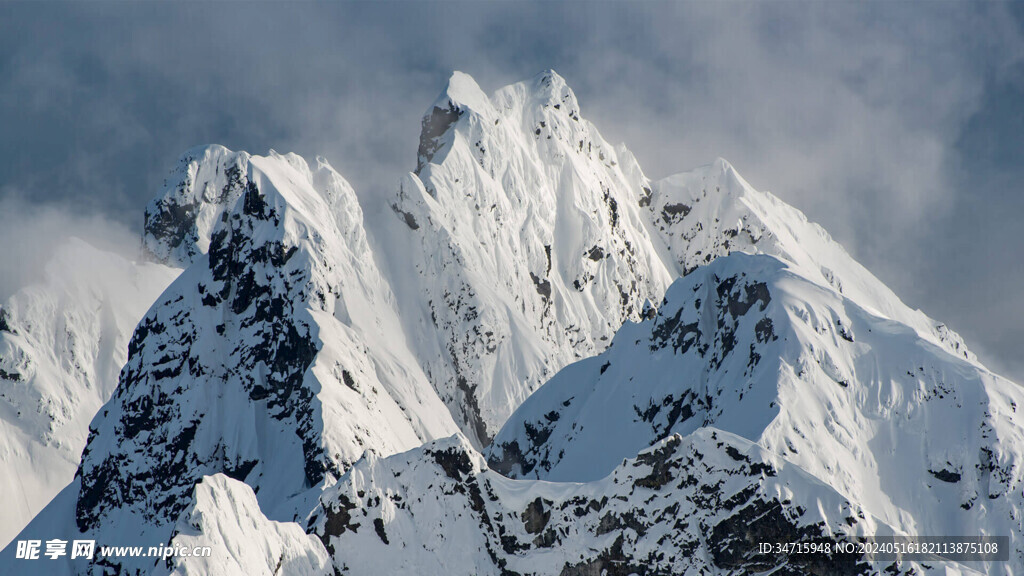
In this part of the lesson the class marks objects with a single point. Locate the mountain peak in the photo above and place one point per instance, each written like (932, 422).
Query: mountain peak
(551, 80)
(178, 221)
(315, 362)
(549, 89)
(463, 92)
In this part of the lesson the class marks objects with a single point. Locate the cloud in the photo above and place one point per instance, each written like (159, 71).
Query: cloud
(31, 234)
(853, 112)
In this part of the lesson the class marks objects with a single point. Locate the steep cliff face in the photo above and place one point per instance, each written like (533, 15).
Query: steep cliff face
(526, 240)
(179, 221)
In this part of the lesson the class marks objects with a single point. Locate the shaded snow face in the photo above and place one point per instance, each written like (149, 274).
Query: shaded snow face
(62, 343)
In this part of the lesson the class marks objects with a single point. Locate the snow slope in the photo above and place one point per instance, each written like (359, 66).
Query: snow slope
(62, 343)
(226, 516)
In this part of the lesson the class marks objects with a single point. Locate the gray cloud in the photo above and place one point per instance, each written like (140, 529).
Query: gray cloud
(885, 122)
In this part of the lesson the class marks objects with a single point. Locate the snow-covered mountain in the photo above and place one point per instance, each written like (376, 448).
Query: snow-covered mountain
(926, 441)
(527, 241)
(712, 211)
(275, 358)
(62, 343)
(318, 391)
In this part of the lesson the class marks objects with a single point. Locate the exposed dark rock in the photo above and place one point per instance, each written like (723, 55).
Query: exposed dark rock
(241, 470)
(739, 305)
(433, 127)
(5, 322)
(338, 519)
(673, 213)
(946, 475)
(734, 544)
(511, 458)
(378, 527)
(471, 408)
(11, 376)
(765, 330)
(346, 377)
(645, 197)
(536, 516)
(661, 462)
(407, 217)
(172, 223)
(538, 434)
(454, 462)
(670, 330)
(543, 286)
(610, 562)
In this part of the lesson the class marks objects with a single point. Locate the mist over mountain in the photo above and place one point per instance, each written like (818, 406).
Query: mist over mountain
(528, 358)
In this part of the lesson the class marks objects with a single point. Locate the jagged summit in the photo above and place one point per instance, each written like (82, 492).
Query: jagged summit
(462, 92)
(527, 240)
(276, 359)
(546, 89)
(179, 220)
(925, 440)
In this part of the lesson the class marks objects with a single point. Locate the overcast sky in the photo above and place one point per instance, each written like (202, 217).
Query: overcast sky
(897, 126)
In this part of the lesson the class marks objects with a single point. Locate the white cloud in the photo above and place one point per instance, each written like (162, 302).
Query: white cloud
(30, 234)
